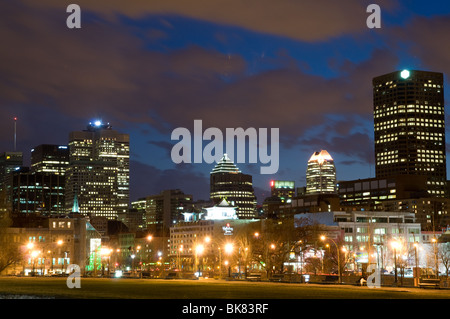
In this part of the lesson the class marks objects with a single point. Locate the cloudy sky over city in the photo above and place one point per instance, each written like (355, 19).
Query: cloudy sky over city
(148, 67)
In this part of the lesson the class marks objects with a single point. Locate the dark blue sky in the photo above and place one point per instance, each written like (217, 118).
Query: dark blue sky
(148, 67)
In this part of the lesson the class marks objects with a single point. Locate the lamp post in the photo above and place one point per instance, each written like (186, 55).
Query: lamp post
(34, 254)
(323, 238)
(106, 254)
(434, 240)
(198, 252)
(180, 250)
(395, 246)
(229, 250)
(416, 270)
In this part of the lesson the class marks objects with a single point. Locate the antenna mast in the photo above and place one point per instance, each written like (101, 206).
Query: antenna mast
(15, 133)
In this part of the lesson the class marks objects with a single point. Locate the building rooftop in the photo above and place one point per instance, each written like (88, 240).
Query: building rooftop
(225, 165)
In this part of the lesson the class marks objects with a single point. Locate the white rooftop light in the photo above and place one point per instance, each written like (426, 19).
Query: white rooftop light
(405, 74)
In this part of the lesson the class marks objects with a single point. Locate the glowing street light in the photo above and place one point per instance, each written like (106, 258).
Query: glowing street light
(199, 249)
(323, 238)
(396, 245)
(434, 241)
(229, 248)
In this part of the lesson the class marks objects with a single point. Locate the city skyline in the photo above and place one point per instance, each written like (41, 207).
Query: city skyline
(124, 64)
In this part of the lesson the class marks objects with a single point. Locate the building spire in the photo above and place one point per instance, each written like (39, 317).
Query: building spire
(75, 207)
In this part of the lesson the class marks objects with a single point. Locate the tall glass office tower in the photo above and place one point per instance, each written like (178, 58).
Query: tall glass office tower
(98, 172)
(321, 174)
(228, 182)
(409, 123)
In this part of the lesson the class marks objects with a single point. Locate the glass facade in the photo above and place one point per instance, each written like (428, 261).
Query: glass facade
(321, 174)
(409, 123)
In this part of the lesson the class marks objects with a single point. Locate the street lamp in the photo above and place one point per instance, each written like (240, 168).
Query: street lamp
(198, 251)
(416, 272)
(434, 240)
(105, 253)
(323, 238)
(34, 254)
(180, 251)
(229, 250)
(395, 246)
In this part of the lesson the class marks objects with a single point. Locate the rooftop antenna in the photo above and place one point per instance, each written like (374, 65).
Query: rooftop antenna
(15, 133)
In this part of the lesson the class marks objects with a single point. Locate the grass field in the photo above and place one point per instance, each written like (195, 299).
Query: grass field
(103, 288)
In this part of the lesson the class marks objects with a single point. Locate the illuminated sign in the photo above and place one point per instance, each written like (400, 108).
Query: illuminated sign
(283, 184)
(362, 257)
(227, 230)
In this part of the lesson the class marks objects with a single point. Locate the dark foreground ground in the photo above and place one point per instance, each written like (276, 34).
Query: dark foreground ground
(106, 288)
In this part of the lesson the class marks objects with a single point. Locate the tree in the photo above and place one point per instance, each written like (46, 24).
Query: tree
(444, 256)
(9, 250)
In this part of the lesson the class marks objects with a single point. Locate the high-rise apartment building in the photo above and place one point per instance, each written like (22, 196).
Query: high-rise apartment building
(409, 119)
(228, 182)
(98, 171)
(321, 174)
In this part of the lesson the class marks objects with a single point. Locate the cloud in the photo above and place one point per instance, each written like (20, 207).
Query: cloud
(307, 20)
(148, 180)
(104, 69)
(425, 38)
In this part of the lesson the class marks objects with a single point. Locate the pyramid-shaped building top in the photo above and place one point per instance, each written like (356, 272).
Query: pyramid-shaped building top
(225, 165)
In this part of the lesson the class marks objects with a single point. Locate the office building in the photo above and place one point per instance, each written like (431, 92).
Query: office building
(228, 182)
(34, 192)
(409, 120)
(46, 158)
(166, 209)
(98, 171)
(321, 174)
(284, 190)
(9, 162)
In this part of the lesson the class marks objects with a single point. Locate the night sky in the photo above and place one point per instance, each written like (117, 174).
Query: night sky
(150, 66)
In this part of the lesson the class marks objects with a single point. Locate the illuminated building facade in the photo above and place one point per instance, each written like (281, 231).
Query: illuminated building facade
(284, 190)
(34, 192)
(9, 162)
(166, 209)
(98, 171)
(228, 182)
(409, 120)
(46, 158)
(212, 235)
(321, 174)
(49, 245)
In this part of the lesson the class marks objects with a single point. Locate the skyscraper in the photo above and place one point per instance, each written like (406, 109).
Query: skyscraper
(409, 124)
(228, 182)
(321, 174)
(98, 171)
(165, 209)
(37, 192)
(9, 162)
(46, 158)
